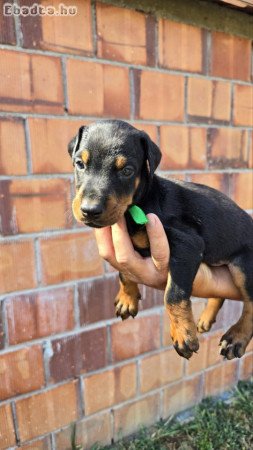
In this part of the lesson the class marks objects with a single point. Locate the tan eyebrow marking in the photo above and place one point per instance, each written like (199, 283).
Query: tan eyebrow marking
(85, 156)
(120, 162)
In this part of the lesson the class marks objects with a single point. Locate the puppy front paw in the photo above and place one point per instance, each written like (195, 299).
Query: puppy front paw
(187, 347)
(185, 341)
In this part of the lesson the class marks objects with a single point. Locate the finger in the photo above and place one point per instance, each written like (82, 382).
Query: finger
(125, 254)
(105, 245)
(159, 245)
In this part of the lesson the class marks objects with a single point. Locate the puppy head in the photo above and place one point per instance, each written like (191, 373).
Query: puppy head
(114, 164)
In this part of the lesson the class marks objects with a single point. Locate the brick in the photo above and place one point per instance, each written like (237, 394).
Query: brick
(13, 152)
(34, 205)
(241, 185)
(96, 299)
(69, 257)
(217, 181)
(243, 105)
(228, 147)
(49, 139)
(246, 366)
(89, 431)
(250, 346)
(208, 353)
(182, 147)
(17, 265)
(79, 353)
(151, 130)
(209, 100)
(232, 311)
(198, 306)
(160, 369)
(231, 56)
(180, 46)
(174, 176)
(34, 83)
(182, 395)
(93, 89)
(17, 374)
(250, 160)
(40, 444)
(169, 90)
(2, 329)
(131, 417)
(125, 35)
(7, 29)
(221, 378)
(7, 433)
(111, 387)
(131, 338)
(67, 34)
(150, 298)
(38, 315)
(198, 361)
(47, 411)
(213, 353)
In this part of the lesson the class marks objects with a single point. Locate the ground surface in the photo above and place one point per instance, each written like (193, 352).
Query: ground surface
(217, 425)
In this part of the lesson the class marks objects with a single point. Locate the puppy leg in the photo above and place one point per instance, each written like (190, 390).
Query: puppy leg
(126, 302)
(208, 316)
(234, 342)
(183, 330)
(186, 255)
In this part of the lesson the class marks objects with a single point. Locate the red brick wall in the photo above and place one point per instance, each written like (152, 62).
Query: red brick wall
(64, 357)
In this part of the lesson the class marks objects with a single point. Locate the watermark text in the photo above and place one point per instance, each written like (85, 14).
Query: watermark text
(12, 9)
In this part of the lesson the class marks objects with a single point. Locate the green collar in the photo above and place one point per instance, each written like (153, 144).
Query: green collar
(138, 215)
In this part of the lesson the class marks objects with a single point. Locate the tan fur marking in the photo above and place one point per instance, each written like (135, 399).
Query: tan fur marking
(235, 340)
(115, 208)
(239, 280)
(120, 162)
(208, 316)
(137, 182)
(76, 205)
(240, 333)
(244, 326)
(140, 239)
(85, 156)
(182, 326)
(183, 329)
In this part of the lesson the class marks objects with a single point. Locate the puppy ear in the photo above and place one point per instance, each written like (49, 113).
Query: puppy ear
(152, 153)
(75, 142)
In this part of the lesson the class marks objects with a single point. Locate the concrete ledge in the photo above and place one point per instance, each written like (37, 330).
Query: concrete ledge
(202, 13)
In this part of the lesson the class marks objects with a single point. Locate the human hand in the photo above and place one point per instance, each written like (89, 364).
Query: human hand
(115, 246)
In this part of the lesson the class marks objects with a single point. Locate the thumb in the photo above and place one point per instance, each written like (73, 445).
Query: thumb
(159, 245)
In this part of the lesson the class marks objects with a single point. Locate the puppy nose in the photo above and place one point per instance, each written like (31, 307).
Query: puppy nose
(89, 209)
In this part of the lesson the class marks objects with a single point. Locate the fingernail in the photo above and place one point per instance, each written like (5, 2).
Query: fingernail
(151, 220)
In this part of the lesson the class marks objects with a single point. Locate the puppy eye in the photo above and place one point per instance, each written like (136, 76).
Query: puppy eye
(79, 164)
(127, 171)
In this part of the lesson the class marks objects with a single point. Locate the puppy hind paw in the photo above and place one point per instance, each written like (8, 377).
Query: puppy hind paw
(186, 347)
(232, 346)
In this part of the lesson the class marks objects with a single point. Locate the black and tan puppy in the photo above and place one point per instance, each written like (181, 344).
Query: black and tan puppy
(114, 168)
